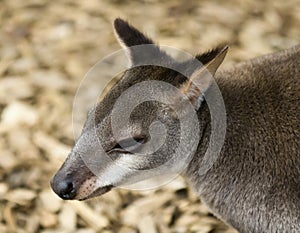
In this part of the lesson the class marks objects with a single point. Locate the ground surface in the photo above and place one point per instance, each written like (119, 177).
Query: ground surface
(46, 47)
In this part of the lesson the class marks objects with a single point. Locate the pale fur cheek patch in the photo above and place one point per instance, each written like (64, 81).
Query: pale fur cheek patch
(87, 188)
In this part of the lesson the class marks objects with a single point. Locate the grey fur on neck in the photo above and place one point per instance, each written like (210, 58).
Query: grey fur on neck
(256, 172)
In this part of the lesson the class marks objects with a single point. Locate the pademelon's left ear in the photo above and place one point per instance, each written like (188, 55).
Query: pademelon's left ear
(131, 39)
(201, 79)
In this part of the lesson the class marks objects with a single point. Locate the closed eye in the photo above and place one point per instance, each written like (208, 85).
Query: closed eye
(129, 145)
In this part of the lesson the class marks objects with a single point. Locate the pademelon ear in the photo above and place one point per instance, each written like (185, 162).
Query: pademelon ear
(201, 79)
(129, 35)
(132, 40)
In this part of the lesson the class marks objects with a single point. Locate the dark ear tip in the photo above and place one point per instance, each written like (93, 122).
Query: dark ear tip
(225, 48)
(205, 58)
(119, 23)
(222, 48)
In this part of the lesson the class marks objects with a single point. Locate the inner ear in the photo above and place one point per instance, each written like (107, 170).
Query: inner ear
(195, 88)
(132, 40)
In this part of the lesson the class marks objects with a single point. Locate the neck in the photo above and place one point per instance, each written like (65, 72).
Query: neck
(192, 171)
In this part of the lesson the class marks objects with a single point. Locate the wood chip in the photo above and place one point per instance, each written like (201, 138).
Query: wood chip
(21, 196)
(47, 219)
(67, 217)
(50, 79)
(93, 219)
(57, 151)
(147, 225)
(8, 160)
(33, 223)
(3, 189)
(144, 206)
(50, 201)
(9, 218)
(17, 114)
(85, 230)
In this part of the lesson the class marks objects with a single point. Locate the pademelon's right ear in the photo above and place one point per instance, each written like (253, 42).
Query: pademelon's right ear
(131, 38)
(201, 79)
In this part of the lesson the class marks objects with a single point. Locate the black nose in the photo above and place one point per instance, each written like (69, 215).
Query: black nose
(64, 188)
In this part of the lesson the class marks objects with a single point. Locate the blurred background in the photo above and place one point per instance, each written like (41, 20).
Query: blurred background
(46, 47)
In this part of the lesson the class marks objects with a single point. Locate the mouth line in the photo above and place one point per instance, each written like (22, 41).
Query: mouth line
(98, 192)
